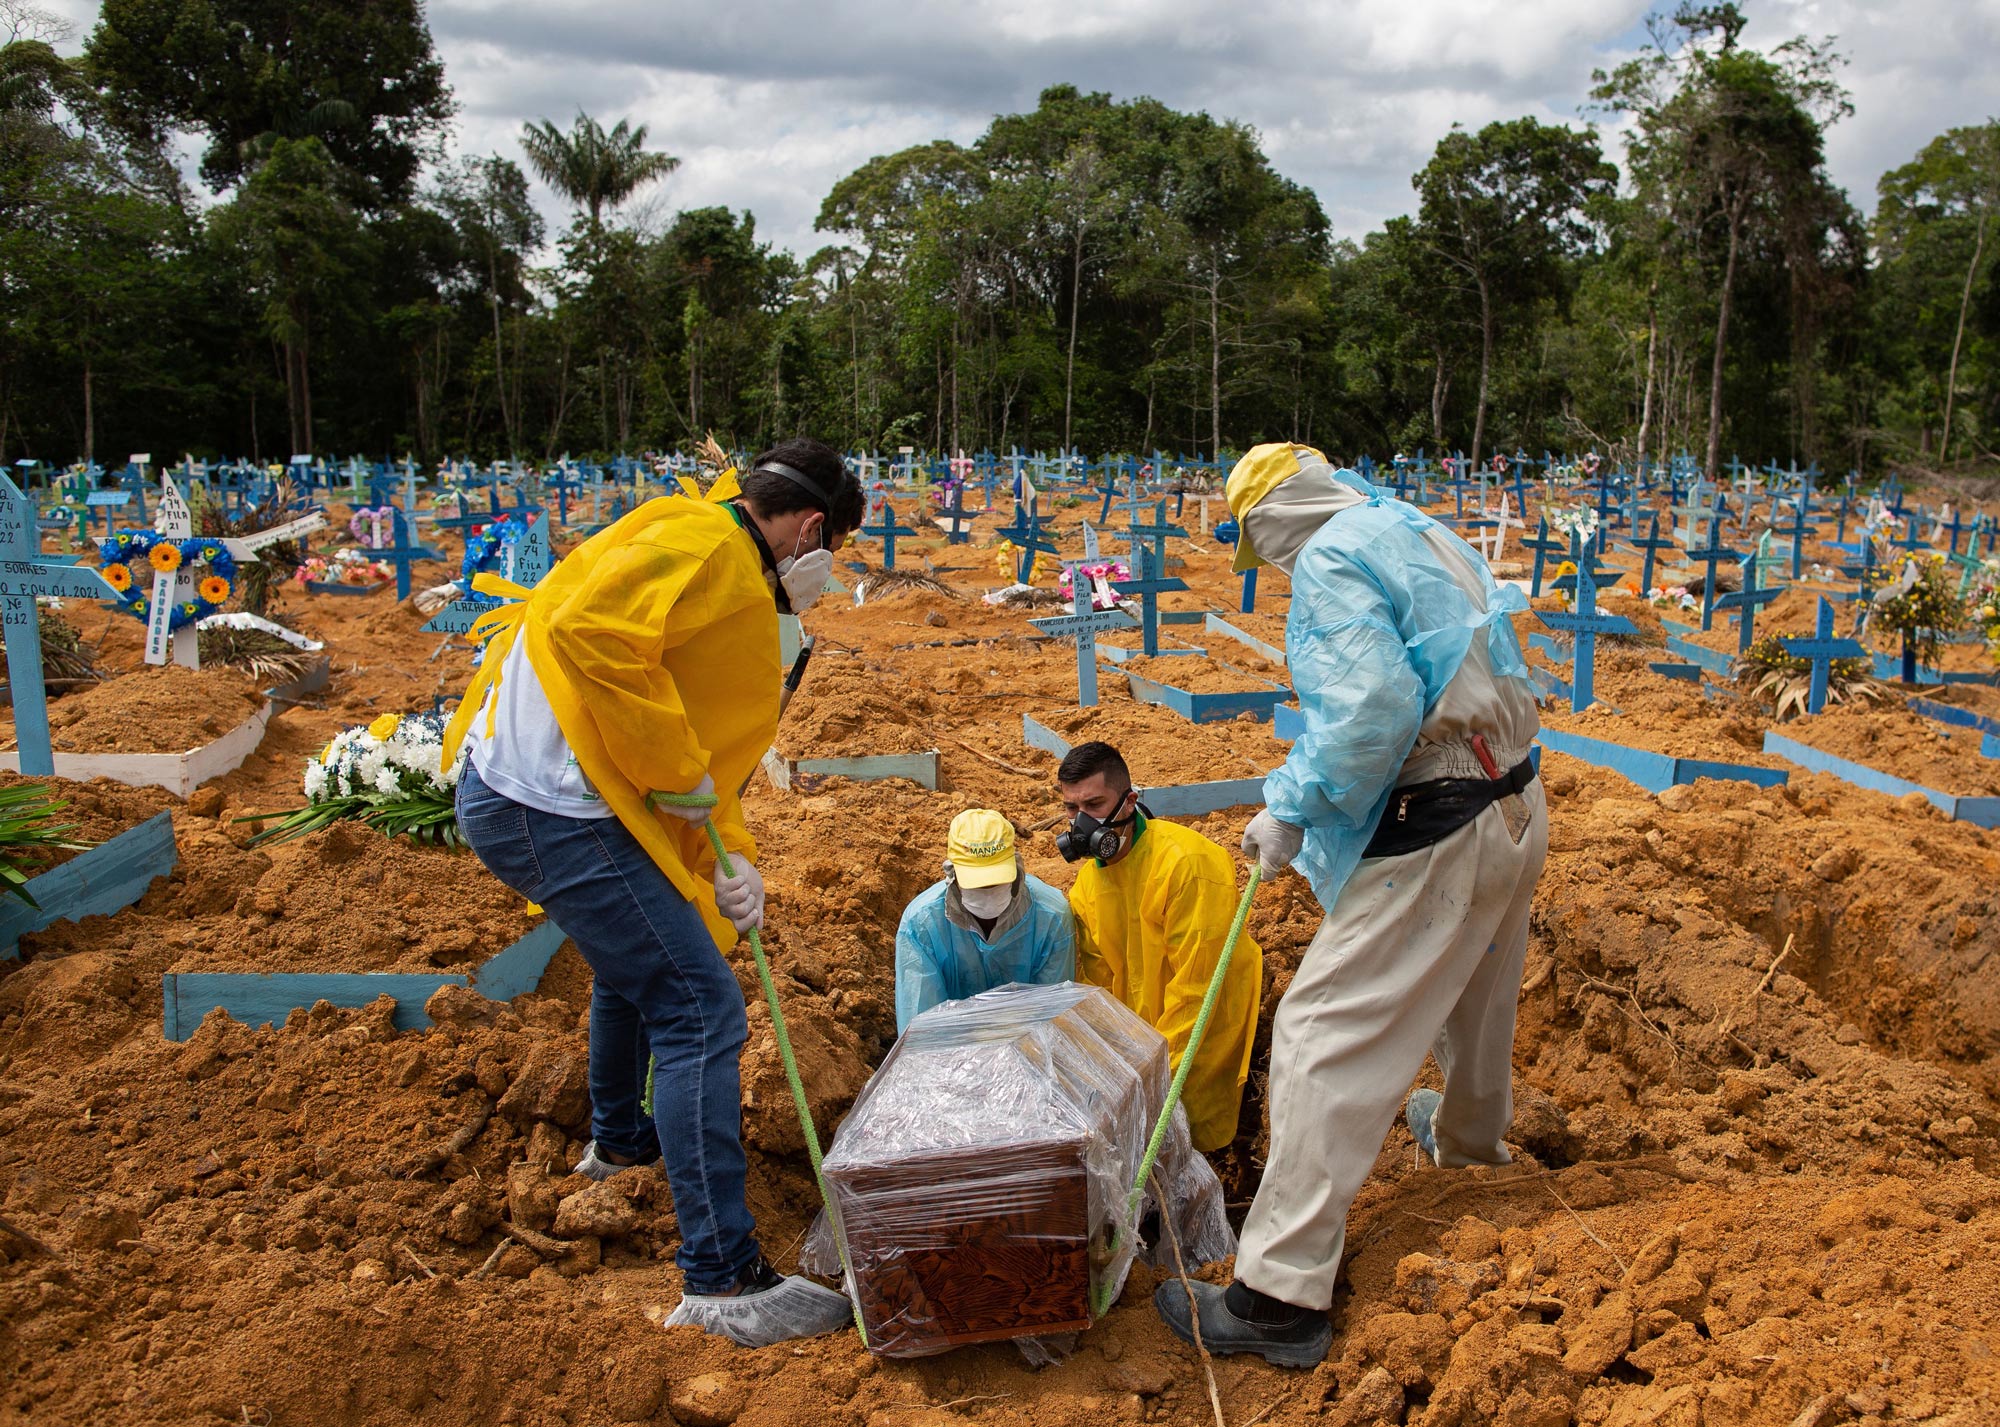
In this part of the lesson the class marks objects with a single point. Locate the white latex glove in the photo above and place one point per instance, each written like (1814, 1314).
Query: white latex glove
(1273, 843)
(805, 578)
(740, 898)
(697, 816)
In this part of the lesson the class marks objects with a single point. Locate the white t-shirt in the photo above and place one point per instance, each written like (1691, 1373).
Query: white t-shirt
(527, 758)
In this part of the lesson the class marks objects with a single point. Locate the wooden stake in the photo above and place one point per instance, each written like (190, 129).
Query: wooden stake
(1194, 1309)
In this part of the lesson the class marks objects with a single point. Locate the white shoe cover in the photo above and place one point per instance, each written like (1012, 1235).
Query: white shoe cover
(796, 1308)
(597, 1167)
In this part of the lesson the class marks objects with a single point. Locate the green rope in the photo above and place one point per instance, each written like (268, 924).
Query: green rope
(784, 1039)
(1101, 1299)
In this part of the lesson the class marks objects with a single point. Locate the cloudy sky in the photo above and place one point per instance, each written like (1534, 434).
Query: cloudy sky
(769, 102)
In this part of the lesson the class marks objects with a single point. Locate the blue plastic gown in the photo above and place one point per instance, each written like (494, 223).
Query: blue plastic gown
(1377, 629)
(939, 961)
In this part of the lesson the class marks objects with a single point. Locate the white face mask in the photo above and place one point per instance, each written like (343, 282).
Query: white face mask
(804, 577)
(987, 903)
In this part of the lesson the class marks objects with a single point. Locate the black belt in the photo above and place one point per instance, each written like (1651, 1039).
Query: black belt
(1424, 813)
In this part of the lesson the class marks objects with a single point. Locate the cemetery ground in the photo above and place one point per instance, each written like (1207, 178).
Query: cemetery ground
(1755, 1140)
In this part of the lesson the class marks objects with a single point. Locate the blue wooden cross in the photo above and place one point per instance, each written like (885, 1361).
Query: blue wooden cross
(1699, 521)
(1544, 545)
(1249, 590)
(1156, 531)
(1150, 585)
(1710, 555)
(403, 553)
(887, 532)
(1651, 545)
(563, 482)
(1747, 600)
(956, 519)
(1801, 514)
(1585, 624)
(1085, 624)
(135, 485)
(1583, 554)
(1028, 538)
(23, 576)
(1822, 649)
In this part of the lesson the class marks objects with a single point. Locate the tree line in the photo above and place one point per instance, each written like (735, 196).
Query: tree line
(1095, 273)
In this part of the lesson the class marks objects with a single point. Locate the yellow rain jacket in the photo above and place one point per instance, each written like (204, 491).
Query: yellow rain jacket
(1150, 930)
(656, 641)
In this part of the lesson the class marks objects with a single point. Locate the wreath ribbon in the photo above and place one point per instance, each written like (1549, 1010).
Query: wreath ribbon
(502, 619)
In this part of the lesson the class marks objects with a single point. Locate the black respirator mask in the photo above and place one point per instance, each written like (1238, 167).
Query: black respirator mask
(1087, 837)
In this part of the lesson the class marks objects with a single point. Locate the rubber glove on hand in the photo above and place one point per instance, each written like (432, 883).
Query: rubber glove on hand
(740, 898)
(1273, 843)
(697, 816)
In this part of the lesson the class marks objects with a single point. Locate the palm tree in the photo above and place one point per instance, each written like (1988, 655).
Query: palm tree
(593, 167)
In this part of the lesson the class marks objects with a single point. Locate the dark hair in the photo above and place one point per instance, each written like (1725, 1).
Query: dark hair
(1095, 757)
(775, 494)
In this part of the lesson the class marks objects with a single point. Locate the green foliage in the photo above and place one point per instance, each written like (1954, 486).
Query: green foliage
(1506, 212)
(358, 77)
(429, 819)
(593, 167)
(29, 833)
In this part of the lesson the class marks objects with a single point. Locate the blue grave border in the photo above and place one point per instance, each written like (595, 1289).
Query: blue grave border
(107, 878)
(1656, 772)
(1182, 800)
(257, 998)
(1981, 812)
(924, 769)
(1218, 625)
(336, 587)
(1952, 714)
(1206, 708)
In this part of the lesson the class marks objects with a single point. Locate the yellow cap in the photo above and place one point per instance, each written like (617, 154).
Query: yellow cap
(1262, 470)
(981, 848)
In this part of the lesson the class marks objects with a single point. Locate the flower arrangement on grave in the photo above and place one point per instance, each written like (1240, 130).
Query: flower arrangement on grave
(129, 560)
(1783, 679)
(29, 832)
(485, 552)
(373, 526)
(256, 579)
(1577, 520)
(1101, 576)
(1925, 612)
(1982, 598)
(388, 774)
(346, 567)
(1007, 557)
(1672, 597)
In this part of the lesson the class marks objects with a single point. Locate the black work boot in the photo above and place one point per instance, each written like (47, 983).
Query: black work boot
(1241, 1320)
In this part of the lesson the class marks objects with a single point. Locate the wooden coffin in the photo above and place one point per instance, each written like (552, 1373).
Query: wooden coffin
(979, 1177)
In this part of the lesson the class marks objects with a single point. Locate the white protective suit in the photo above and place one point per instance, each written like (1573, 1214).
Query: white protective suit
(1401, 650)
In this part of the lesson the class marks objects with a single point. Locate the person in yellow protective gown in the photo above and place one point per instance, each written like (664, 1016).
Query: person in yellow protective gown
(647, 661)
(1153, 903)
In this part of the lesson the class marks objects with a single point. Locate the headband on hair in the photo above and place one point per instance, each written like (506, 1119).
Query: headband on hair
(800, 479)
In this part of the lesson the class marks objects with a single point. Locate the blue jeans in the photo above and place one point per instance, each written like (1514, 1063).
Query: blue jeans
(659, 984)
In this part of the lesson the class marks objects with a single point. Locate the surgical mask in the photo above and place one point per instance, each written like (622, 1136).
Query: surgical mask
(987, 903)
(804, 576)
(1087, 837)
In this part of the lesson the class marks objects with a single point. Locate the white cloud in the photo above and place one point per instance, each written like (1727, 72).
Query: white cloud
(769, 102)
